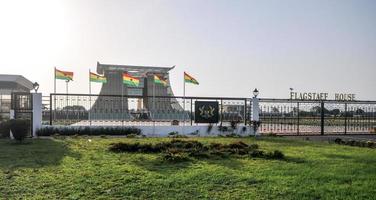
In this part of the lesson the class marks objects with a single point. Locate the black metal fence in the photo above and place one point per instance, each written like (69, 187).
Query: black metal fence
(5, 105)
(112, 110)
(299, 117)
(278, 116)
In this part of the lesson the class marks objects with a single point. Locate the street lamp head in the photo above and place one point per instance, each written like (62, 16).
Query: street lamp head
(255, 92)
(36, 86)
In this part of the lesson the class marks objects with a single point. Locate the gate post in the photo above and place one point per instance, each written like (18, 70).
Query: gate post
(11, 116)
(322, 117)
(297, 108)
(255, 117)
(37, 113)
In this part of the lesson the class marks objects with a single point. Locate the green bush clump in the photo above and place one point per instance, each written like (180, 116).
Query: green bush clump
(86, 130)
(4, 129)
(174, 155)
(178, 136)
(255, 153)
(20, 128)
(176, 149)
(275, 155)
(368, 144)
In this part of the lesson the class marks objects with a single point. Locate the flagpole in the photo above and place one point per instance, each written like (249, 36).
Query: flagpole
(122, 100)
(89, 98)
(153, 104)
(55, 80)
(54, 95)
(183, 103)
(66, 87)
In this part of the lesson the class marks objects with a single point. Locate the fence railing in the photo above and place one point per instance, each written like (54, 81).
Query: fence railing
(285, 116)
(277, 116)
(78, 109)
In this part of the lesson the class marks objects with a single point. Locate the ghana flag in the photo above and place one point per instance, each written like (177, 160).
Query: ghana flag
(63, 75)
(159, 80)
(190, 79)
(130, 80)
(97, 78)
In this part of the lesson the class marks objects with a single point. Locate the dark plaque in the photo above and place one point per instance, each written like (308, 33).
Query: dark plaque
(206, 112)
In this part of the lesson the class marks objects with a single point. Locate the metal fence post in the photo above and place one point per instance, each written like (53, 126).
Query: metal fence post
(298, 130)
(191, 113)
(245, 112)
(345, 118)
(50, 109)
(221, 112)
(322, 117)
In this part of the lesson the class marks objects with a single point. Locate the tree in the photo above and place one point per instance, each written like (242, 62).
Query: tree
(335, 112)
(359, 111)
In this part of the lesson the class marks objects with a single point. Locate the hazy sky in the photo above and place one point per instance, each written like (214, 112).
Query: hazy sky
(230, 46)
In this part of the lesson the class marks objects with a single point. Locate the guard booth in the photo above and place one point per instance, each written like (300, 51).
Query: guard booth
(27, 106)
(22, 108)
(16, 101)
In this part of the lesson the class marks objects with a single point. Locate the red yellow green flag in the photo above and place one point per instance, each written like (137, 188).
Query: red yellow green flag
(97, 78)
(158, 80)
(190, 79)
(130, 80)
(63, 75)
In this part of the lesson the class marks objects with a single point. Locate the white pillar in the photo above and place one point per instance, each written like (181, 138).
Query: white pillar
(255, 117)
(255, 109)
(37, 112)
(11, 116)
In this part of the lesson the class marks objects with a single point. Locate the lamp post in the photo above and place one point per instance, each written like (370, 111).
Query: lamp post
(255, 120)
(292, 109)
(255, 92)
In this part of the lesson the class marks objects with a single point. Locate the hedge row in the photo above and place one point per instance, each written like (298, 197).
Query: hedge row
(182, 150)
(86, 130)
(369, 144)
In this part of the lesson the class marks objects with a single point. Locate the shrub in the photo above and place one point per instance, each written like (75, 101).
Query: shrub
(338, 141)
(19, 128)
(209, 128)
(180, 150)
(173, 133)
(222, 128)
(234, 124)
(253, 146)
(216, 146)
(233, 135)
(124, 147)
(275, 155)
(238, 145)
(271, 134)
(178, 136)
(174, 155)
(132, 135)
(86, 130)
(256, 153)
(4, 129)
(244, 129)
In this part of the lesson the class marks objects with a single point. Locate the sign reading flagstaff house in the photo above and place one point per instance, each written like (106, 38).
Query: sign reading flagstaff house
(206, 112)
(321, 96)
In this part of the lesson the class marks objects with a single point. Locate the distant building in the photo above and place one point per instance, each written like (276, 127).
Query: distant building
(116, 107)
(14, 83)
(8, 85)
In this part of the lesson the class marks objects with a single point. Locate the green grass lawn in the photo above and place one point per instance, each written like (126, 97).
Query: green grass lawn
(79, 169)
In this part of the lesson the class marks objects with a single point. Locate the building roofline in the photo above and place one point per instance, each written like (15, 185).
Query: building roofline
(18, 79)
(115, 67)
